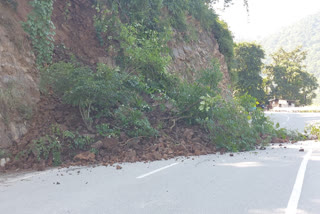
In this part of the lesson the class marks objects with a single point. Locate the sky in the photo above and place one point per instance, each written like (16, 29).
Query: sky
(265, 16)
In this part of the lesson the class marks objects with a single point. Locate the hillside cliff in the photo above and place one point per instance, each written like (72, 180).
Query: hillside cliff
(19, 78)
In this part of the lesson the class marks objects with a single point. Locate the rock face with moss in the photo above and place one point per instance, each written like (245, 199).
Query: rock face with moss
(19, 91)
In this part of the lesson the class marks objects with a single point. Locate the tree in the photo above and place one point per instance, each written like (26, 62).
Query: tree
(287, 77)
(248, 66)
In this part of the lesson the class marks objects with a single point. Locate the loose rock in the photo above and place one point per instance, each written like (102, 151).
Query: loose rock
(85, 156)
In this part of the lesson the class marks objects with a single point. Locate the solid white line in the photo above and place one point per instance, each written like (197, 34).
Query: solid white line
(295, 195)
(157, 170)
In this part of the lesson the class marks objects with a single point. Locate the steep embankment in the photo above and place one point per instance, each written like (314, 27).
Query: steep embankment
(75, 31)
(26, 116)
(19, 92)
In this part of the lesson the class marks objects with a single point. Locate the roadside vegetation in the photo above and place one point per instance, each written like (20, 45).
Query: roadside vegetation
(138, 98)
(285, 78)
(313, 129)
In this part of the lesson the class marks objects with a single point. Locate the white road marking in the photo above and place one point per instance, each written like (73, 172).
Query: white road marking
(155, 171)
(295, 195)
(24, 177)
(288, 118)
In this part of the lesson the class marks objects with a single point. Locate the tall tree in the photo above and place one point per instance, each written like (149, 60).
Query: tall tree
(248, 66)
(287, 77)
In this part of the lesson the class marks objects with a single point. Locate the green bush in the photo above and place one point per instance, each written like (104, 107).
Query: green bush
(147, 12)
(41, 30)
(134, 122)
(238, 125)
(144, 52)
(57, 143)
(98, 93)
(225, 41)
(313, 129)
(187, 95)
(201, 11)
(157, 18)
(227, 124)
(90, 91)
(177, 10)
(45, 146)
(105, 130)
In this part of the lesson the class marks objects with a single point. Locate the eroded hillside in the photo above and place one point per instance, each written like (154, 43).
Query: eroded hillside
(125, 83)
(19, 92)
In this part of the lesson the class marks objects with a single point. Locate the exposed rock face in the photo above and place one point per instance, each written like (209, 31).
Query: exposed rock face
(19, 91)
(190, 57)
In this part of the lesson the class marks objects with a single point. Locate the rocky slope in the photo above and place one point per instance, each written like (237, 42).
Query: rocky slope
(196, 55)
(19, 92)
(22, 116)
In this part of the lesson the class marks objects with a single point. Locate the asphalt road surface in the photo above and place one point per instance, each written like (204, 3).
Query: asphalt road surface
(275, 180)
(278, 180)
(293, 121)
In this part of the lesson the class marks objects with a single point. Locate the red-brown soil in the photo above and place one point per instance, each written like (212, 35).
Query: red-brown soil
(181, 140)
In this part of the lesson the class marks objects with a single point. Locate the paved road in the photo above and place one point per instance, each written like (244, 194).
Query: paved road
(294, 121)
(259, 182)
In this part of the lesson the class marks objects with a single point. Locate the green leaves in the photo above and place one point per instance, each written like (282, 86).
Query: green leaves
(228, 124)
(142, 29)
(41, 30)
(208, 102)
(313, 129)
(288, 79)
(248, 65)
(89, 90)
(57, 143)
(135, 122)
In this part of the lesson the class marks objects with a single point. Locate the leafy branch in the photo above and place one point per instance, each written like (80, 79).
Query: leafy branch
(41, 30)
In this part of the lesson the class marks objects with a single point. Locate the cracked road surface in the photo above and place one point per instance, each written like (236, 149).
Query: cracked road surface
(258, 182)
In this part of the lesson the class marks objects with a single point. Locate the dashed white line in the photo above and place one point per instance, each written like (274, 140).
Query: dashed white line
(157, 170)
(296, 192)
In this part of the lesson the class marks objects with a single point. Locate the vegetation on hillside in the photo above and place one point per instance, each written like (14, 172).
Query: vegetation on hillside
(159, 17)
(138, 97)
(41, 30)
(285, 78)
(304, 33)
